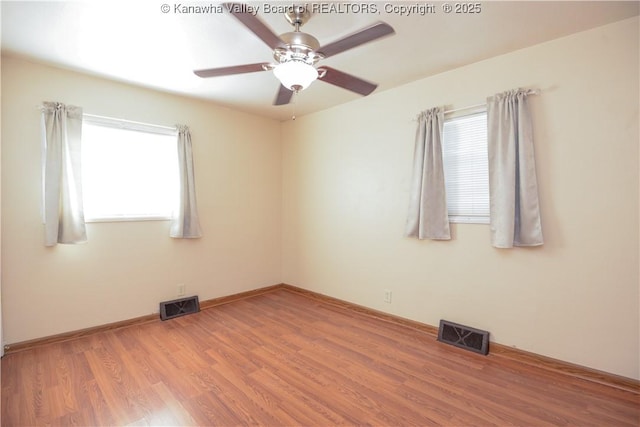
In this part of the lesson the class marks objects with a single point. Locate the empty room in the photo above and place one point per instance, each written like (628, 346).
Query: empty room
(322, 213)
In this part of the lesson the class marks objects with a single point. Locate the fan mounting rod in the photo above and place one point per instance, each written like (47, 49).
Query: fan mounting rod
(297, 16)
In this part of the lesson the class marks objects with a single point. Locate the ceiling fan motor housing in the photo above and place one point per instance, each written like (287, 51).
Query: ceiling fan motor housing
(299, 46)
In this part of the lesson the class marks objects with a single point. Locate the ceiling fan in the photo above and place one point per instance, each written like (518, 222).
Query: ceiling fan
(297, 52)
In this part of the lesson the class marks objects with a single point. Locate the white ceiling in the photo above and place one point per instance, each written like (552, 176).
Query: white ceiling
(136, 42)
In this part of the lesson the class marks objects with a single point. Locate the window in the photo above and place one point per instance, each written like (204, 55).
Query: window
(466, 171)
(129, 170)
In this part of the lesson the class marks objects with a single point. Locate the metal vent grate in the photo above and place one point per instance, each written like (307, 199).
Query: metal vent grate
(465, 337)
(179, 307)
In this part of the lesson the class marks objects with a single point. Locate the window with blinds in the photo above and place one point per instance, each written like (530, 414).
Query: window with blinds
(466, 171)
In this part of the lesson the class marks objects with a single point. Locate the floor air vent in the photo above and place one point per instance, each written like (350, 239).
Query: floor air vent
(464, 337)
(179, 307)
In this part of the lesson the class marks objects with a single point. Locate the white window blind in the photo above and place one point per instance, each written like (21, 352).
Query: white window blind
(129, 170)
(466, 171)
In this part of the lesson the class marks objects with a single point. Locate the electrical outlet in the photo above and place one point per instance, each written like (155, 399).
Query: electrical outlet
(387, 296)
(181, 289)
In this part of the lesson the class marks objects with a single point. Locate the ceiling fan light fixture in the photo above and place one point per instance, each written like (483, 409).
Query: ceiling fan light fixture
(295, 75)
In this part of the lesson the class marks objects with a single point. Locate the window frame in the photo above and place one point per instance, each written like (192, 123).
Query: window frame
(122, 124)
(455, 115)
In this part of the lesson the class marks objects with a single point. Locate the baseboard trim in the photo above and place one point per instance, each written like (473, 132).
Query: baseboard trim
(497, 350)
(566, 368)
(239, 296)
(67, 336)
(381, 315)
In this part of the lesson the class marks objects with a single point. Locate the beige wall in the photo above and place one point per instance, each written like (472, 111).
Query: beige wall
(346, 181)
(126, 269)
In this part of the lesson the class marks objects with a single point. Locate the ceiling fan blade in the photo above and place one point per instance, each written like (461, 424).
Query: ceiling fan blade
(366, 35)
(236, 69)
(346, 81)
(284, 96)
(242, 12)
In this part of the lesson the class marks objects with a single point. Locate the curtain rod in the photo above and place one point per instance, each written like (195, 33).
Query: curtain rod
(484, 104)
(470, 107)
(126, 124)
(97, 118)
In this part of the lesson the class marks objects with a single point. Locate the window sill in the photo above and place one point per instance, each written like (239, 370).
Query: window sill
(128, 219)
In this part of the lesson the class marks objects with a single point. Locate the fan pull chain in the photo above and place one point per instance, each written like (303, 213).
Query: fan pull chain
(294, 99)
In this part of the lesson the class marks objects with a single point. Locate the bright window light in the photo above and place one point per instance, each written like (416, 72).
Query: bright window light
(128, 173)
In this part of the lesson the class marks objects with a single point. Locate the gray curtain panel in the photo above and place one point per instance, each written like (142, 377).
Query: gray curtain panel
(186, 224)
(513, 188)
(428, 217)
(63, 207)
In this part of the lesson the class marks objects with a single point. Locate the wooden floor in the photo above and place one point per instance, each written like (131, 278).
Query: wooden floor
(282, 358)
